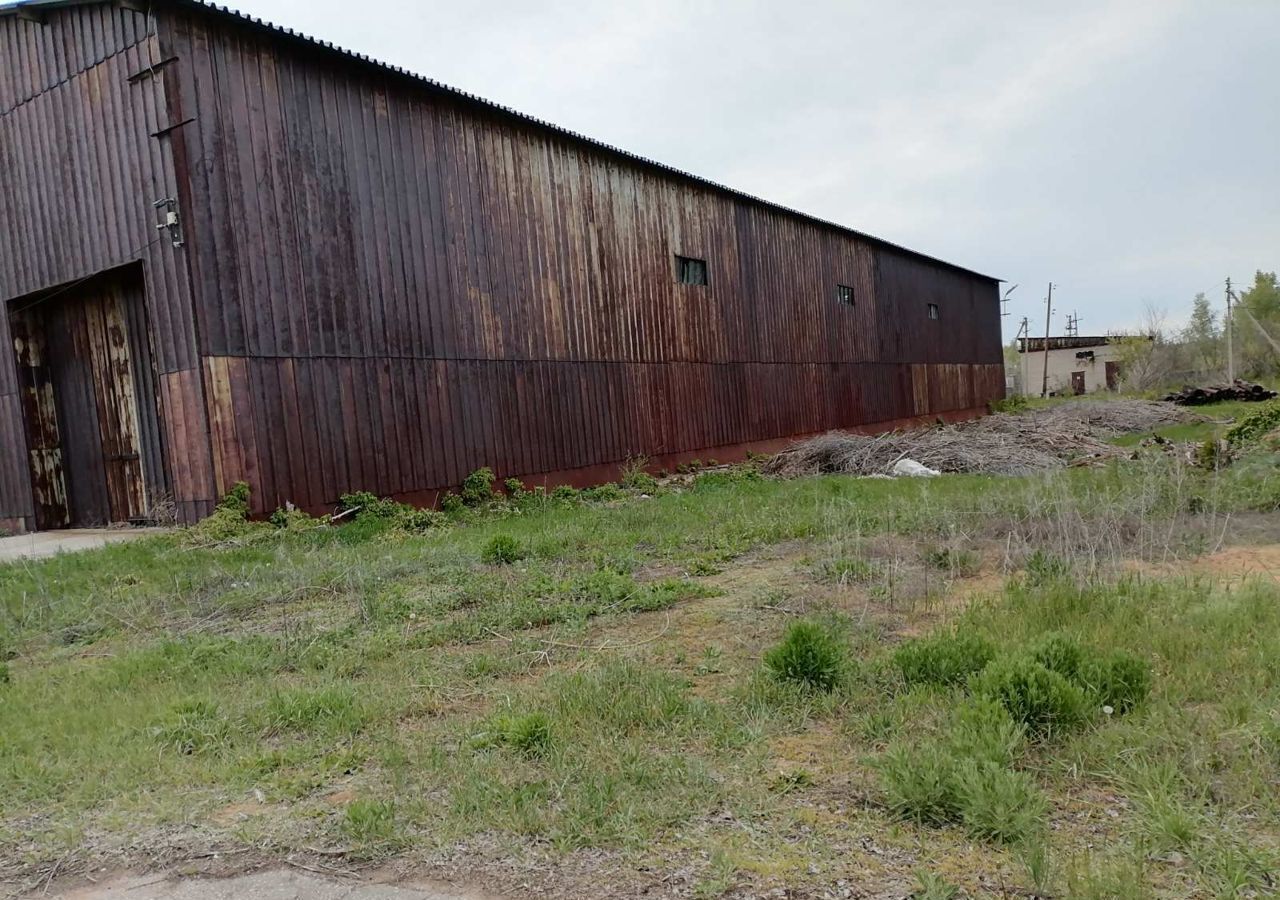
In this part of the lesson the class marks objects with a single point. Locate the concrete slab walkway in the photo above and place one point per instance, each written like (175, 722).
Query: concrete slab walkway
(70, 540)
(270, 884)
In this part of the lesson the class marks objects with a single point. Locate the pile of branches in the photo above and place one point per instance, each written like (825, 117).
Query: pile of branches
(1215, 393)
(1072, 433)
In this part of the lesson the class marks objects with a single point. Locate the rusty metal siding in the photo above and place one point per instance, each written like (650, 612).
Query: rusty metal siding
(396, 286)
(78, 111)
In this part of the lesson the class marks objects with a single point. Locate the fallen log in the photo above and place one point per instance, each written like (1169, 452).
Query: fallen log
(1216, 393)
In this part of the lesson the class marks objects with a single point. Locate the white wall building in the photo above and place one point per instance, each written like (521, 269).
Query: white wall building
(1077, 365)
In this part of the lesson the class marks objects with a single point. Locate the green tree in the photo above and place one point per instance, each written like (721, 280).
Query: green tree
(1201, 338)
(1257, 327)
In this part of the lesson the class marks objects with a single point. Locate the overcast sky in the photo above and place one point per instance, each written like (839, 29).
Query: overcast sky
(1129, 151)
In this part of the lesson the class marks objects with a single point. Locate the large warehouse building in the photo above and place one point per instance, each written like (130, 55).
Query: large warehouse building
(232, 253)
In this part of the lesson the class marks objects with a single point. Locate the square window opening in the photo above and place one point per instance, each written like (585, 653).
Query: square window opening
(844, 294)
(691, 271)
(933, 311)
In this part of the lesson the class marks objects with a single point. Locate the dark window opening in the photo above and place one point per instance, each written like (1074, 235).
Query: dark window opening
(844, 294)
(691, 271)
(933, 311)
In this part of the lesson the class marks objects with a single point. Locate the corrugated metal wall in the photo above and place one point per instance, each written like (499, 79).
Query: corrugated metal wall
(386, 285)
(81, 170)
(397, 286)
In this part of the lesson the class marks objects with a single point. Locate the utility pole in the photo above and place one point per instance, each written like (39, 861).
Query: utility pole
(1024, 335)
(1231, 362)
(1048, 315)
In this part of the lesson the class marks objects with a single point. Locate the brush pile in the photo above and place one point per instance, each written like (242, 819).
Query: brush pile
(1215, 393)
(1070, 433)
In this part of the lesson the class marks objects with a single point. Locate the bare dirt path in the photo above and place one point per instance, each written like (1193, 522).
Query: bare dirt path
(268, 884)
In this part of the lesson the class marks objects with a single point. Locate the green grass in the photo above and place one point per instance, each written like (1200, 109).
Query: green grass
(594, 691)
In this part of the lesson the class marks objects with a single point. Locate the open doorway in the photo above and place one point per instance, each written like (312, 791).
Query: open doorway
(88, 382)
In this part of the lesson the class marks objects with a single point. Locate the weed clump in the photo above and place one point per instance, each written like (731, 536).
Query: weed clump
(369, 822)
(1042, 700)
(369, 507)
(811, 654)
(193, 726)
(920, 784)
(502, 550)
(982, 730)
(1060, 653)
(229, 520)
(477, 488)
(528, 734)
(635, 478)
(999, 804)
(942, 660)
(328, 709)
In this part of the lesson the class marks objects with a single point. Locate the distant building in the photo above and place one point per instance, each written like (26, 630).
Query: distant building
(1077, 365)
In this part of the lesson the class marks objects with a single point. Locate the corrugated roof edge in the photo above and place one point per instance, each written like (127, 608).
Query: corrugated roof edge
(244, 18)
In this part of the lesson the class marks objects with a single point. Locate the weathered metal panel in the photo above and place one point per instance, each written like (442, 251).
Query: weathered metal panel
(79, 105)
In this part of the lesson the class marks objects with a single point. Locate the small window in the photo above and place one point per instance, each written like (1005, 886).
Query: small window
(691, 271)
(844, 294)
(933, 311)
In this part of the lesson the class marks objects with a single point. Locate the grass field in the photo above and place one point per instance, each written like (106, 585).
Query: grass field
(1056, 685)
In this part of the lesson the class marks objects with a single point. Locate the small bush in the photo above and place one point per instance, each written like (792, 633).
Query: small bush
(528, 734)
(811, 654)
(602, 493)
(451, 503)
(1119, 680)
(236, 500)
(1043, 701)
(982, 730)
(564, 494)
(287, 517)
(502, 550)
(420, 520)
(944, 659)
(1254, 426)
(477, 488)
(1060, 653)
(5, 675)
(229, 520)
(1014, 404)
(999, 804)
(920, 784)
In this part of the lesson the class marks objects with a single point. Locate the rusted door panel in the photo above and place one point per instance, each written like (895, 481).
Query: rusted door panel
(86, 376)
(1113, 375)
(1077, 382)
(49, 488)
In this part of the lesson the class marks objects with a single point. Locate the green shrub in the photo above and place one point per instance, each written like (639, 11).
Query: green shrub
(934, 887)
(982, 730)
(528, 734)
(997, 803)
(920, 784)
(1253, 426)
(944, 659)
(602, 493)
(5, 675)
(368, 506)
(564, 494)
(811, 653)
(420, 520)
(502, 550)
(229, 520)
(451, 503)
(1044, 701)
(477, 488)
(1060, 653)
(1119, 680)
(287, 517)
(1014, 404)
